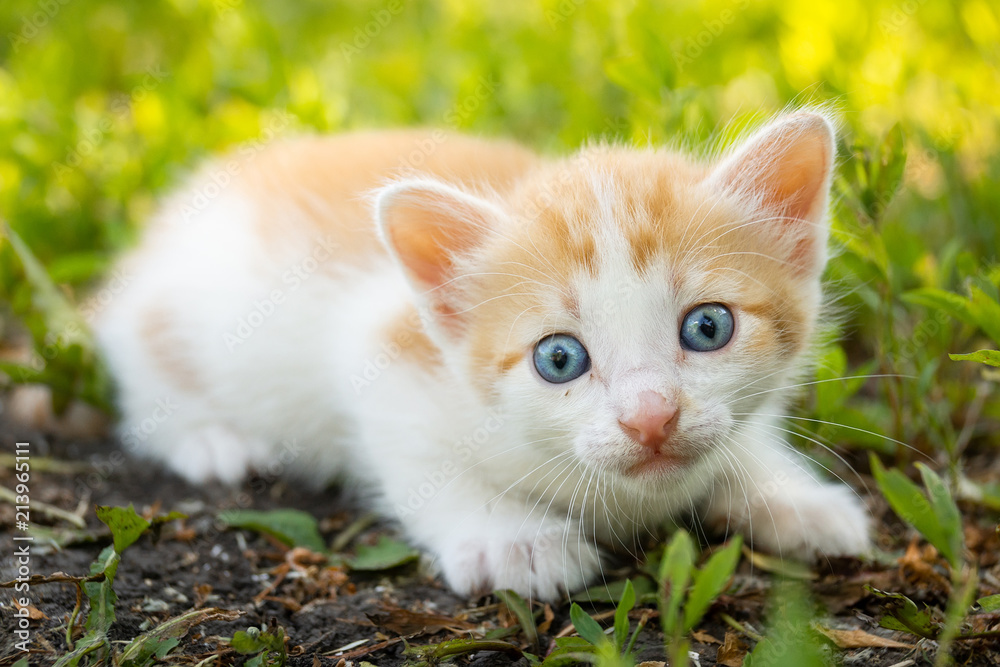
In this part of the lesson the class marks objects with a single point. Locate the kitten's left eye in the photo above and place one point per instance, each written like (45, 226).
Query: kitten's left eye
(560, 358)
(707, 327)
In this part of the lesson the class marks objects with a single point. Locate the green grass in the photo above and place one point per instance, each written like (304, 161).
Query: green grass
(104, 105)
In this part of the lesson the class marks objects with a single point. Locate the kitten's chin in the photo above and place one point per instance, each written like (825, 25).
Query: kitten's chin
(650, 465)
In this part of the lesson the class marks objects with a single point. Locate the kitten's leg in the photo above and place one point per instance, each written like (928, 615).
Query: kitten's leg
(197, 450)
(538, 558)
(769, 494)
(212, 453)
(485, 541)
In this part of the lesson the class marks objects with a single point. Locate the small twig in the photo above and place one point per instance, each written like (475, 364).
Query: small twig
(638, 628)
(57, 578)
(365, 650)
(739, 627)
(279, 575)
(971, 418)
(83, 505)
(978, 635)
(72, 617)
(347, 535)
(44, 508)
(485, 609)
(479, 645)
(46, 464)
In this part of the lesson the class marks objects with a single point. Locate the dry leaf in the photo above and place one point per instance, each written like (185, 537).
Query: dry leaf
(733, 651)
(185, 534)
(840, 594)
(860, 639)
(549, 616)
(505, 617)
(776, 565)
(704, 637)
(917, 565)
(201, 593)
(34, 613)
(291, 604)
(984, 542)
(651, 663)
(405, 622)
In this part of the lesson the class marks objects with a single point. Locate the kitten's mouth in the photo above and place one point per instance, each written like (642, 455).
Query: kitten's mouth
(651, 464)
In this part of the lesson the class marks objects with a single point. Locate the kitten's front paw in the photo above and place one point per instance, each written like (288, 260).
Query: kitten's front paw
(542, 564)
(211, 453)
(806, 522)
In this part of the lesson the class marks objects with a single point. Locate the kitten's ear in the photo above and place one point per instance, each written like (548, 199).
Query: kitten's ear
(785, 170)
(428, 224)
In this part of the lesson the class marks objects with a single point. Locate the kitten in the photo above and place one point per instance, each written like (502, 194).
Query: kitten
(518, 357)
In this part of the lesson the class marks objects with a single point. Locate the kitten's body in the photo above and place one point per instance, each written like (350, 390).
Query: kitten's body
(267, 326)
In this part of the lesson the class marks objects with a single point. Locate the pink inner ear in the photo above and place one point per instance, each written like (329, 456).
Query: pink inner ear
(427, 228)
(796, 176)
(787, 165)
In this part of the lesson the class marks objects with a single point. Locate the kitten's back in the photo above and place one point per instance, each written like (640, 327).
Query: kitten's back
(326, 179)
(251, 279)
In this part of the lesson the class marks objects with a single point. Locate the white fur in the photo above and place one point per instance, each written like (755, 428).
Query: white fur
(510, 492)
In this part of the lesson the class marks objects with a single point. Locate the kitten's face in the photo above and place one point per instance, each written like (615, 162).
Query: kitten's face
(634, 308)
(674, 314)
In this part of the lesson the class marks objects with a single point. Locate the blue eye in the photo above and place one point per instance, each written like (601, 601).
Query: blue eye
(560, 358)
(707, 327)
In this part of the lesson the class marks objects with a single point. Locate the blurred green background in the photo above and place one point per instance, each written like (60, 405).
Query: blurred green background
(105, 104)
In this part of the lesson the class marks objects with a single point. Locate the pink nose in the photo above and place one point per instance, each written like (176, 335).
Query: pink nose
(653, 421)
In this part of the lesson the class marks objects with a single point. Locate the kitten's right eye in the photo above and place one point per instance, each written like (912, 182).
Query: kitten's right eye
(560, 358)
(708, 327)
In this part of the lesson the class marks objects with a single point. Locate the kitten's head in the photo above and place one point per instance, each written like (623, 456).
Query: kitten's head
(634, 306)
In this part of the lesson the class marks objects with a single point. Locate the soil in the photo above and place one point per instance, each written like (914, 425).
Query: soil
(327, 612)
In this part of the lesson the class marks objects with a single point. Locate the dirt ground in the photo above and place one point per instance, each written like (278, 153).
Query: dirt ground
(333, 616)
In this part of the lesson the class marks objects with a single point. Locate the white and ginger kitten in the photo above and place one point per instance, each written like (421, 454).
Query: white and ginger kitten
(520, 358)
